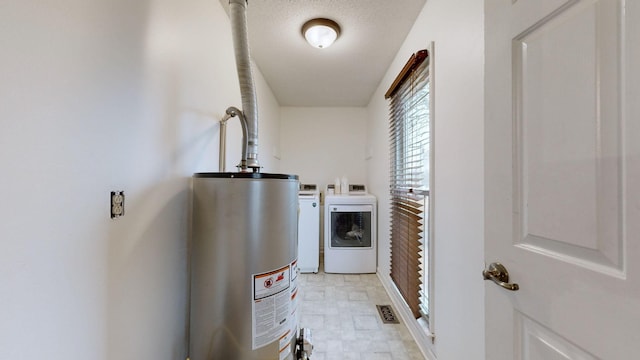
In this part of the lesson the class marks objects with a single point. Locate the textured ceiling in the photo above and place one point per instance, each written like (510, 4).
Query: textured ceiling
(345, 74)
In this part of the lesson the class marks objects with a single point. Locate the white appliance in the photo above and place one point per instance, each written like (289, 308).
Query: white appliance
(350, 241)
(309, 228)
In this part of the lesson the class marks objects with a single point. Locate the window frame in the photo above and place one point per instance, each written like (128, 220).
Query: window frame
(426, 272)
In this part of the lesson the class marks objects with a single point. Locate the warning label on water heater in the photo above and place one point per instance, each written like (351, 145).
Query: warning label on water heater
(271, 308)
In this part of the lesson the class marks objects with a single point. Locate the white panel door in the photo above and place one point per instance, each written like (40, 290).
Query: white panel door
(562, 178)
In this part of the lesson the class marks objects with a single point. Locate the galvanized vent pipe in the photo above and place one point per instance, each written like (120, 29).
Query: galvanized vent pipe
(237, 10)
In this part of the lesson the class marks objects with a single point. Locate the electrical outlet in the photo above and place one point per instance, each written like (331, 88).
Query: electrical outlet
(117, 204)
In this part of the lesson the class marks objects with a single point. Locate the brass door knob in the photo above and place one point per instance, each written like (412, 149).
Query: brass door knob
(499, 275)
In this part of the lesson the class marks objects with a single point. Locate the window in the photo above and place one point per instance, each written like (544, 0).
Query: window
(410, 182)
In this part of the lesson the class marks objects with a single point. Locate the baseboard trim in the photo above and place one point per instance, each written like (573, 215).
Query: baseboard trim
(422, 339)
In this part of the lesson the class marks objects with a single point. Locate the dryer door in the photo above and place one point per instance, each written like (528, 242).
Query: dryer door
(350, 226)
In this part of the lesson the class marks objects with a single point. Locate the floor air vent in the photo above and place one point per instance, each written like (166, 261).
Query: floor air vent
(387, 314)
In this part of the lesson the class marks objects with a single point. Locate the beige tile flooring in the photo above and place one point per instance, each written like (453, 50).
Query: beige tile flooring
(340, 310)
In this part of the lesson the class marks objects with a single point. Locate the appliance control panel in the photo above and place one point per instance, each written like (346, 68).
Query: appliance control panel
(357, 189)
(354, 189)
(308, 189)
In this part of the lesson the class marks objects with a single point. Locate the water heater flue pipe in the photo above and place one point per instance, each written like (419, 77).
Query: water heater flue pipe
(237, 9)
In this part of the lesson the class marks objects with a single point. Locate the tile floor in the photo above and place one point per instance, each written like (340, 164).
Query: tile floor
(341, 312)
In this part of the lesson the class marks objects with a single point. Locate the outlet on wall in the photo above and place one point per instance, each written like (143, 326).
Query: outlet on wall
(117, 204)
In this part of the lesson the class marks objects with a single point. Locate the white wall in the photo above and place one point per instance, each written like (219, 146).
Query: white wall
(322, 143)
(268, 126)
(97, 96)
(456, 26)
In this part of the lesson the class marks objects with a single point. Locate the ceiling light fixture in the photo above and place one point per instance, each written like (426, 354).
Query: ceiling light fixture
(320, 33)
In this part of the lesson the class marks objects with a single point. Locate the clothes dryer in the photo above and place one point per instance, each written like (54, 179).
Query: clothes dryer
(350, 239)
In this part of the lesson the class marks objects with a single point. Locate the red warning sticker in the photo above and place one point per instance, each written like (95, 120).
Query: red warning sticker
(271, 283)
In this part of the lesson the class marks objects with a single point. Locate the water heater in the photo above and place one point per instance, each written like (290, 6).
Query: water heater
(243, 266)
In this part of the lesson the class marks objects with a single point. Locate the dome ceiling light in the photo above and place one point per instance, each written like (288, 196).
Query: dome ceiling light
(321, 33)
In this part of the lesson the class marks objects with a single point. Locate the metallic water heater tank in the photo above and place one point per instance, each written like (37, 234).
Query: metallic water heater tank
(243, 266)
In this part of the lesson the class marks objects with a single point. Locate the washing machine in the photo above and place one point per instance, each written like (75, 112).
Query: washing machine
(309, 228)
(350, 241)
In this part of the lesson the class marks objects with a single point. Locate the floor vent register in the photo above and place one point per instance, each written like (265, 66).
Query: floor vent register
(387, 314)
